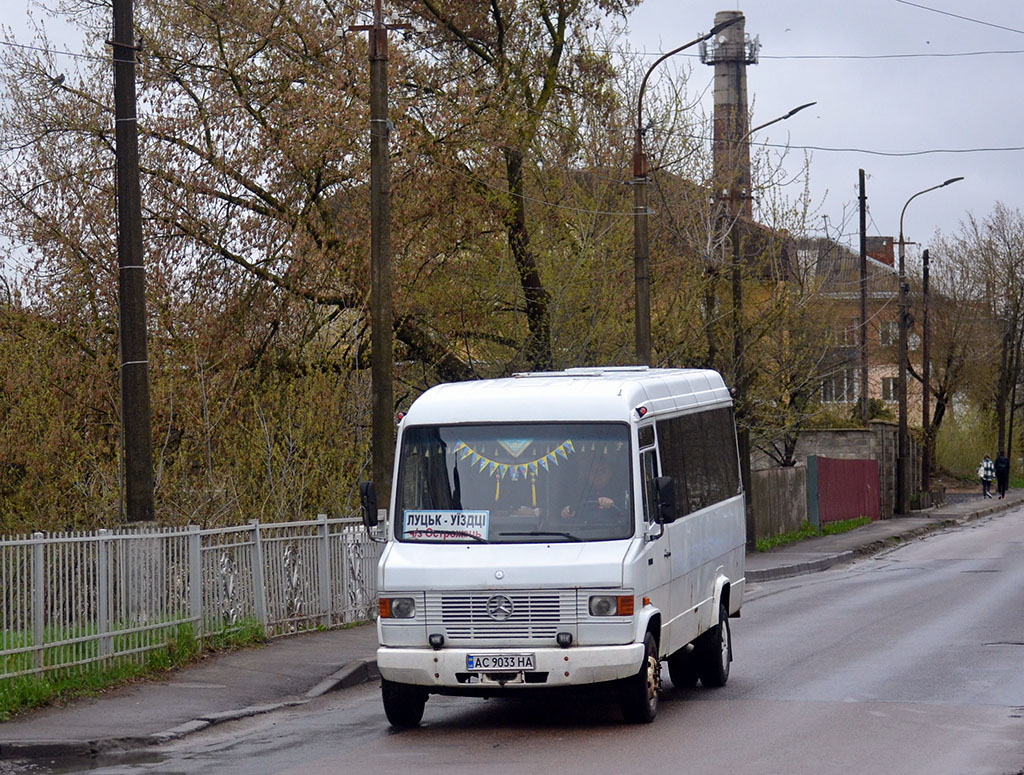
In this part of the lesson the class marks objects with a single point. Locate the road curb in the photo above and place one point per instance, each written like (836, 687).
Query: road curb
(942, 522)
(799, 568)
(357, 672)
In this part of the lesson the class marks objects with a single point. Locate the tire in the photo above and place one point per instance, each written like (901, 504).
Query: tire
(403, 703)
(682, 668)
(714, 652)
(638, 697)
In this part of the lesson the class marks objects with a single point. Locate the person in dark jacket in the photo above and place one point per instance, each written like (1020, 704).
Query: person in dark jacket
(1002, 473)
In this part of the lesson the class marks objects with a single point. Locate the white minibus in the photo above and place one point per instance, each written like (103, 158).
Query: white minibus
(561, 529)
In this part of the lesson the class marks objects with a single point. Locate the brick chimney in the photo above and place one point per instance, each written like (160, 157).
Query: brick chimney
(730, 52)
(881, 249)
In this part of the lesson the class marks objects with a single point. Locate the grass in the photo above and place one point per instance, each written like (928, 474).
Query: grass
(809, 531)
(58, 686)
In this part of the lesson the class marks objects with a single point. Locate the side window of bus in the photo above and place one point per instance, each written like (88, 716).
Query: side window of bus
(699, 452)
(649, 470)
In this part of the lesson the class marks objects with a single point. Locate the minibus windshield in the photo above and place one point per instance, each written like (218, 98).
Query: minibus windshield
(515, 483)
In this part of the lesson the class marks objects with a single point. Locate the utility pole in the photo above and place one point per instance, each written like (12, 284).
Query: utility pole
(136, 434)
(381, 316)
(926, 369)
(641, 255)
(641, 248)
(865, 414)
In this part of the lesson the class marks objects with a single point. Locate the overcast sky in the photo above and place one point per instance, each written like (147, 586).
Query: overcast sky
(893, 105)
(851, 57)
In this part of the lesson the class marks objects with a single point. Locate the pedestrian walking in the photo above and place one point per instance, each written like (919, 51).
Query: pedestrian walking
(1002, 469)
(986, 473)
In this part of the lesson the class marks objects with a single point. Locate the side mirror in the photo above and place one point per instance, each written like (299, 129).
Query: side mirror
(368, 499)
(664, 493)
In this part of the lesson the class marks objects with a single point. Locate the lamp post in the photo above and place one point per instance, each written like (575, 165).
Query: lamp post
(739, 371)
(903, 440)
(641, 251)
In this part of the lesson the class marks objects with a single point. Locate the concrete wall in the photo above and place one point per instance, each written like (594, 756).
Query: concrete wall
(879, 442)
(778, 500)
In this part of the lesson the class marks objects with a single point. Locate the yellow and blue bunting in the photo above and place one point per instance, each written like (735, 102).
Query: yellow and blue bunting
(516, 471)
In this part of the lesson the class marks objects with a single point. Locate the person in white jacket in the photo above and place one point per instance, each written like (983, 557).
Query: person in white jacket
(986, 472)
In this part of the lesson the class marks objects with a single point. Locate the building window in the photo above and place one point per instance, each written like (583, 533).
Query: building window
(889, 388)
(889, 333)
(840, 387)
(851, 334)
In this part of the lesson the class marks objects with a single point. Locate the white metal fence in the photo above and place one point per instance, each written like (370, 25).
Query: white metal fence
(70, 600)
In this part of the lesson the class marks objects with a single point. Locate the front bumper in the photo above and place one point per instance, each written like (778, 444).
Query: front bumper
(555, 667)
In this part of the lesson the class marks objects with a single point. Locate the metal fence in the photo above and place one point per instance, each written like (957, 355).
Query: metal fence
(75, 599)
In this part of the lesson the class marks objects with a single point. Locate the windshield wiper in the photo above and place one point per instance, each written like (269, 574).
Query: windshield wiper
(538, 533)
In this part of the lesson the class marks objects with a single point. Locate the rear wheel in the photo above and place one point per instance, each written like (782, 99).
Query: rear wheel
(714, 652)
(639, 693)
(403, 703)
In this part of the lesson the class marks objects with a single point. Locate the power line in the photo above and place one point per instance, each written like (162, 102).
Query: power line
(925, 152)
(923, 55)
(41, 50)
(783, 57)
(871, 152)
(958, 16)
(916, 55)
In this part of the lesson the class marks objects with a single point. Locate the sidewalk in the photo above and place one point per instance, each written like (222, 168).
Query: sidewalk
(817, 554)
(292, 671)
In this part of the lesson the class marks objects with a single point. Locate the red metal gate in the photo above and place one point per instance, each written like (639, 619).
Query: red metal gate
(848, 489)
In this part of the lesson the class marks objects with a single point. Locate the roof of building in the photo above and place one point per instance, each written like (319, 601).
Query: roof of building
(837, 267)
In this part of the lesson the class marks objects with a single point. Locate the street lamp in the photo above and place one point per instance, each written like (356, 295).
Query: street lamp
(903, 440)
(740, 378)
(777, 119)
(641, 256)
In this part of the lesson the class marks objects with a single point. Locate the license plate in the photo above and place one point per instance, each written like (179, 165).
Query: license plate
(488, 662)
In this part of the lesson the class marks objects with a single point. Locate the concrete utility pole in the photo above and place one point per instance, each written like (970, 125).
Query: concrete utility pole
(381, 316)
(926, 370)
(865, 414)
(136, 434)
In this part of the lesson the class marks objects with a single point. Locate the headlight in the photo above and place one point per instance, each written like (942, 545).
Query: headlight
(611, 605)
(397, 608)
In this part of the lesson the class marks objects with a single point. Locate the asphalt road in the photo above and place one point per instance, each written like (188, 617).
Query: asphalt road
(908, 662)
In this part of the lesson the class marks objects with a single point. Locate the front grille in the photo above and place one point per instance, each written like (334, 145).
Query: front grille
(535, 615)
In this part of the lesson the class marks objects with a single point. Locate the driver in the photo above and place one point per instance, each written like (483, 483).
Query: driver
(598, 489)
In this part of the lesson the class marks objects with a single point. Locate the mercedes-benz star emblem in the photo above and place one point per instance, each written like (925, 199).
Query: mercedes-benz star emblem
(499, 607)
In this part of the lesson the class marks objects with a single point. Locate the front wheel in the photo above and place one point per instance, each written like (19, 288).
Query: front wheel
(714, 652)
(403, 703)
(639, 693)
